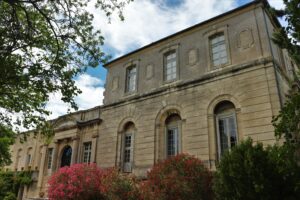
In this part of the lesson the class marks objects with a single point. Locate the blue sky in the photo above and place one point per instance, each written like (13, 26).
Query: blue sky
(145, 22)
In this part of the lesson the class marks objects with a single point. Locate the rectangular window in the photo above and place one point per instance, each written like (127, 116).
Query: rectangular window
(172, 141)
(218, 50)
(170, 66)
(50, 158)
(28, 160)
(227, 133)
(131, 79)
(127, 152)
(87, 152)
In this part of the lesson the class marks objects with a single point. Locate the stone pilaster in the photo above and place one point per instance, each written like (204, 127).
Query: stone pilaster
(55, 156)
(42, 166)
(75, 144)
(94, 147)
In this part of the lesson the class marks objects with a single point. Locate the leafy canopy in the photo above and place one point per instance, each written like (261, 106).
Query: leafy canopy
(287, 122)
(288, 37)
(43, 46)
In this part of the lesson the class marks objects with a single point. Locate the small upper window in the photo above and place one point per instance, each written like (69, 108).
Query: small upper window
(218, 50)
(131, 79)
(87, 152)
(170, 66)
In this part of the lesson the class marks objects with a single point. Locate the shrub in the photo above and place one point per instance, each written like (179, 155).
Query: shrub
(88, 182)
(10, 182)
(249, 172)
(118, 186)
(77, 182)
(179, 177)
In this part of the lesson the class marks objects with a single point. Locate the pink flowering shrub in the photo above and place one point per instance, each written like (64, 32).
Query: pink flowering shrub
(88, 182)
(77, 182)
(179, 177)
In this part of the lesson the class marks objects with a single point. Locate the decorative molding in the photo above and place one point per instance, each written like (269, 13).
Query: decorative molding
(149, 71)
(245, 38)
(192, 56)
(115, 83)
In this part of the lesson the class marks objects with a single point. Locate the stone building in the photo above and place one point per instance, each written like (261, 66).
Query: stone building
(199, 91)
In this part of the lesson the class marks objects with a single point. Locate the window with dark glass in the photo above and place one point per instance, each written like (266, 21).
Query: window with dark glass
(50, 157)
(131, 74)
(87, 152)
(226, 127)
(172, 135)
(172, 141)
(66, 156)
(170, 66)
(218, 50)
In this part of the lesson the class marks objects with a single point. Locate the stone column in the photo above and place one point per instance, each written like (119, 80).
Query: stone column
(55, 156)
(75, 143)
(94, 147)
(42, 166)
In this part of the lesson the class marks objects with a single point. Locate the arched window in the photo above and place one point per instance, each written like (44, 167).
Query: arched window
(173, 145)
(66, 156)
(128, 147)
(226, 126)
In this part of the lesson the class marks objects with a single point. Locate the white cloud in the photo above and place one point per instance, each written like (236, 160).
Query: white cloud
(91, 96)
(278, 4)
(147, 21)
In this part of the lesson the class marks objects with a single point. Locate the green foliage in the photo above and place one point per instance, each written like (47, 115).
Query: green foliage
(249, 172)
(179, 177)
(23, 178)
(289, 37)
(6, 139)
(10, 196)
(43, 47)
(287, 122)
(117, 186)
(7, 184)
(10, 183)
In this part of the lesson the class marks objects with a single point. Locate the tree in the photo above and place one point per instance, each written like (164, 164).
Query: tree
(43, 46)
(249, 172)
(287, 122)
(6, 139)
(289, 37)
(176, 178)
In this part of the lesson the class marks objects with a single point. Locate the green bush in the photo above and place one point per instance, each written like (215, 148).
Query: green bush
(10, 183)
(249, 172)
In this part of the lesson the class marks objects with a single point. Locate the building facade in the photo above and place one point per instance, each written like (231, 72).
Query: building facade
(199, 91)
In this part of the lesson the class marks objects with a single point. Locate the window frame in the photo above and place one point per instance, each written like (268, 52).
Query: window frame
(165, 64)
(88, 151)
(209, 34)
(127, 166)
(128, 78)
(173, 125)
(225, 115)
(212, 46)
(164, 51)
(175, 139)
(50, 158)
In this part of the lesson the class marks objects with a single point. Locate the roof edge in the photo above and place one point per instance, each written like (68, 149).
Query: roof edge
(265, 3)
